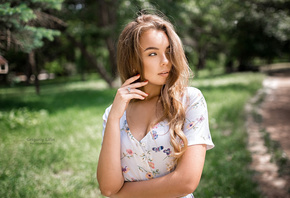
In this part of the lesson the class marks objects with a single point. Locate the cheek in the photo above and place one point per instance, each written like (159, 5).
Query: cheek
(149, 66)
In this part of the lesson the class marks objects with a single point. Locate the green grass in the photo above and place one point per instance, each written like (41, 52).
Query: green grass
(50, 143)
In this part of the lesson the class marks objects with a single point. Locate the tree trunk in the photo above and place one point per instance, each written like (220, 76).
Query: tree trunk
(3, 79)
(201, 58)
(229, 66)
(108, 18)
(31, 58)
(28, 73)
(113, 56)
(82, 67)
(243, 65)
(91, 59)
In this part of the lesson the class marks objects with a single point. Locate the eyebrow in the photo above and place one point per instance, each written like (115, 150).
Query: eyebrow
(155, 48)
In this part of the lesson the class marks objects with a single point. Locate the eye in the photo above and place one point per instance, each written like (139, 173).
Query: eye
(152, 54)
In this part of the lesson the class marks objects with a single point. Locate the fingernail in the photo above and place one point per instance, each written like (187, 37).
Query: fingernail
(146, 81)
(147, 93)
(137, 75)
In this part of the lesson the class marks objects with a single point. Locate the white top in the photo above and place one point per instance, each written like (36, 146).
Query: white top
(151, 157)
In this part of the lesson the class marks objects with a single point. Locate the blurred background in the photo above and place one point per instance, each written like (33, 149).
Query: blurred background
(58, 74)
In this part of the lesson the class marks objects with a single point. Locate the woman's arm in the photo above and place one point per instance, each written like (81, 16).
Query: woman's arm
(182, 181)
(109, 172)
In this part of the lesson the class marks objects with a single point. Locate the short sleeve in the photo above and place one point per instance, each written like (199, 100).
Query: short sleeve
(105, 118)
(196, 127)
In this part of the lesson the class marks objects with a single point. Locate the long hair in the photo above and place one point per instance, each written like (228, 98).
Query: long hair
(129, 63)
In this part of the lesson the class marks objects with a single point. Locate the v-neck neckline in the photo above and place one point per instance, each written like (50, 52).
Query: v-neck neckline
(129, 130)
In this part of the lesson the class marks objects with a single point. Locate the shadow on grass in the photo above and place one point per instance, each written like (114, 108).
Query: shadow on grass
(61, 100)
(88, 98)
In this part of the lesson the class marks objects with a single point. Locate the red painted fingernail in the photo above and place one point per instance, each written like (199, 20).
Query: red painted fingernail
(138, 75)
(147, 93)
(146, 81)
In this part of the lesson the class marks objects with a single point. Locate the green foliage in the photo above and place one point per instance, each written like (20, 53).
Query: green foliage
(15, 16)
(53, 4)
(262, 30)
(54, 67)
(241, 31)
(37, 34)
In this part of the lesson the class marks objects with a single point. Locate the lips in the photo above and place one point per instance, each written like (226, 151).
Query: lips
(163, 73)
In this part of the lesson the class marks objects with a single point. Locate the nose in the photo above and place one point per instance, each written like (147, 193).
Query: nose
(165, 59)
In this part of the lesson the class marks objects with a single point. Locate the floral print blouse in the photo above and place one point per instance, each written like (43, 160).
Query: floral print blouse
(151, 156)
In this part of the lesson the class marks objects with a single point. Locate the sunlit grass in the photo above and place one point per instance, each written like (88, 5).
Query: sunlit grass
(50, 143)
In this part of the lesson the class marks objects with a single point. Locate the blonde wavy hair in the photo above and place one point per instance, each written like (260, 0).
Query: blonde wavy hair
(129, 63)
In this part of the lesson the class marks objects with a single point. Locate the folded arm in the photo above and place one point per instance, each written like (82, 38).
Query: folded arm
(109, 172)
(182, 181)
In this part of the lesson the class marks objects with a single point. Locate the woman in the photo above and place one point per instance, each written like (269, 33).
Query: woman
(156, 131)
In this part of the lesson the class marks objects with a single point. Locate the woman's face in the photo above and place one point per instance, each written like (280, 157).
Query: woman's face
(155, 49)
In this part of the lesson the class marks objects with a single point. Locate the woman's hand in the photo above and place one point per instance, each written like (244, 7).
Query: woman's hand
(125, 94)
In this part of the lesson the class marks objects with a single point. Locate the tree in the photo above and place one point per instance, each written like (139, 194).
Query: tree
(93, 28)
(24, 26)
(262, 29)
(242, 30)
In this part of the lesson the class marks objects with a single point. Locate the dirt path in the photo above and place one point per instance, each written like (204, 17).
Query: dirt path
(273, 117)
(276, 109)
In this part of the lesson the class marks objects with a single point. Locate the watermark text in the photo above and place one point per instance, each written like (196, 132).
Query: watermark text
(40, 140)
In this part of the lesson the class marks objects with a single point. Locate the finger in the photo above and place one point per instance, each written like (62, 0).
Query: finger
(130, 80)
(139, 84)
(136, 96)
(137, 91)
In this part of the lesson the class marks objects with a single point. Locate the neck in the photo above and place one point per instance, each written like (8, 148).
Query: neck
(153, 91)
